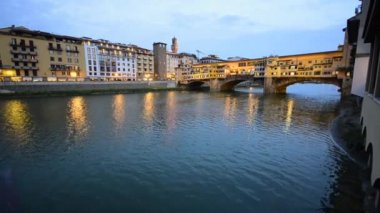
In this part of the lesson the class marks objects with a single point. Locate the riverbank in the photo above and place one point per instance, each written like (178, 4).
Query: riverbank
(355, 193)
(81, 88)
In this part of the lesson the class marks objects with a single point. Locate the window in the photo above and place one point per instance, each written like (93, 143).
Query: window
(22, 43)
(60, 59)
(69, 60)
(67, 47)
(95, 69)
(59, 46)
(13, 41)
(89, 62)
(50, 45)
(51, 58)
(90, 68)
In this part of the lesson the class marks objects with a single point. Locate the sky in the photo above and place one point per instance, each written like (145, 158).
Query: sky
(245, 28)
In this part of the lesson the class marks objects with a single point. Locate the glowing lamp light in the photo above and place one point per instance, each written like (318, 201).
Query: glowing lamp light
(8, 73)
(73, 74)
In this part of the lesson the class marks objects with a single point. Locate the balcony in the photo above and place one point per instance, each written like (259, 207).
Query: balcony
(55, 49)
(22, 45)
(15, 51)
(72, 51)
(16, 59)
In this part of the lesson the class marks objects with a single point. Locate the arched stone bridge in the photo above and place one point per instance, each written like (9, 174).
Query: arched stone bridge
(277, 84)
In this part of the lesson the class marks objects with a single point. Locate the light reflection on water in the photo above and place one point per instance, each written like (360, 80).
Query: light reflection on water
(77, 124)
(148, 108)
(229, 152)
(18, 120)
(118, 112)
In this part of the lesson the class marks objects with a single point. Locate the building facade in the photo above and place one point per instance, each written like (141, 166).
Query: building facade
(370, 116)
(145, 63)
(160, 61)
(28, 55)
(110, 61)
(313, 64)
(360, 50)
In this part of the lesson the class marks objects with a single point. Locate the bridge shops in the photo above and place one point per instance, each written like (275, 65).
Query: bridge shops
(275, 72)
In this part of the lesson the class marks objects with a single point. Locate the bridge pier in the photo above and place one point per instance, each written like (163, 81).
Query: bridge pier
(271, 88)
(215, 85)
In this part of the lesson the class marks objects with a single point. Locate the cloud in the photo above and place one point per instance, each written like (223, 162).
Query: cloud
(145, 21)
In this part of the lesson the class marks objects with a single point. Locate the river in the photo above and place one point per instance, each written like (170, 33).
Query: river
(173, 151)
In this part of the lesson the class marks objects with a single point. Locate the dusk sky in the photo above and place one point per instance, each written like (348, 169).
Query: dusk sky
(246, 28)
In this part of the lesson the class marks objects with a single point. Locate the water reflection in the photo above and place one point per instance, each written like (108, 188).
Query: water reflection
(171, 104)
(77, 124)
(148, 110)
(289, 113)
(18, 120)
(230, 105)
(118, 112)
(253, 105)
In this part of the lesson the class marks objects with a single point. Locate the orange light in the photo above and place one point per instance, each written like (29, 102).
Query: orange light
(73, 74)
(8, 73)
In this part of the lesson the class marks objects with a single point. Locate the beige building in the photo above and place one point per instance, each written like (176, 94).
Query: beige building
(321, 63)
(27, 55)
(145, 63)
(313, 64)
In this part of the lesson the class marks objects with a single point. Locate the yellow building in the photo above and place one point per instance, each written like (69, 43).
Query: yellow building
(27, 55)
(145, 64)
(320, 63)
(207, 71)
(311, 64)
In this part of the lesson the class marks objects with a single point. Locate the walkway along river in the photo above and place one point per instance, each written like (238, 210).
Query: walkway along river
(174, 151)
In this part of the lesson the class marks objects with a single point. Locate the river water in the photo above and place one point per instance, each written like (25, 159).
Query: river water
(172, 151)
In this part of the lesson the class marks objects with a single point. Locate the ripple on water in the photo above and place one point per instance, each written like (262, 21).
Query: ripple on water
(170, 151)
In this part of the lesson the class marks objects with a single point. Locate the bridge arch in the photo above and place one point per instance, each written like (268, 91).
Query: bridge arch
(279, 85)
(196, 84)
(229, 85)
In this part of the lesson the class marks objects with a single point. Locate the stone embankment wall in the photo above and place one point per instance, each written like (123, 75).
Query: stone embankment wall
(62, 87)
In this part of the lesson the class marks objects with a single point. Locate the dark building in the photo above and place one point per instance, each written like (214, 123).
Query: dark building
(160, 60)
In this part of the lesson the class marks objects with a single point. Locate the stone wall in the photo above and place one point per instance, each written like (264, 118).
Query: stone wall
(61, 87)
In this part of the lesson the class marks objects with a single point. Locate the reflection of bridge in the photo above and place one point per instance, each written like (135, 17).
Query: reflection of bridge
(274, 84)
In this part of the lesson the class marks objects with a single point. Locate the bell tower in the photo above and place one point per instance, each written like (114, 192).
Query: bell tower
(174, 45)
